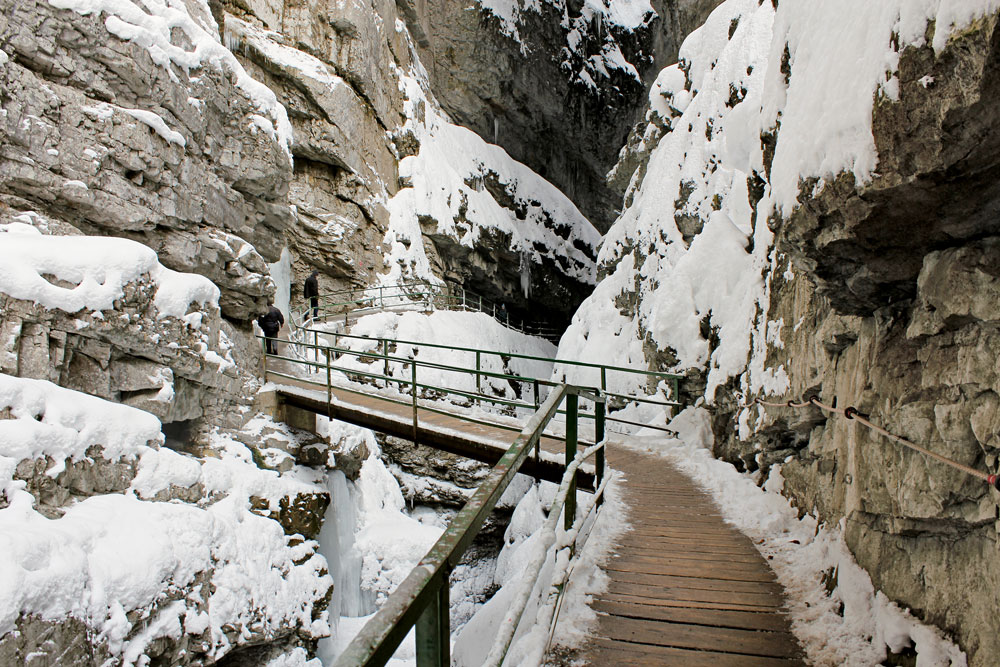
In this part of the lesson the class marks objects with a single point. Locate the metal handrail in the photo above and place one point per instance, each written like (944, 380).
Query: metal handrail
(422, 598)
(381, 354)
(342, 302)
(604, 368)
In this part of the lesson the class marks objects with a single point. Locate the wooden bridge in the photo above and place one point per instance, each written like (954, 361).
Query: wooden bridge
(686, 588)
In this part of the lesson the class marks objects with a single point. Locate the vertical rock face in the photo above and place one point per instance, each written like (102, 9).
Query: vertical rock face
(154, 145)
(556, 84)
(858, 226)
(896, 292)
(333, 66)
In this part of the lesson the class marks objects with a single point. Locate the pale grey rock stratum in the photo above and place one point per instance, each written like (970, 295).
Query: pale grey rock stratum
(211, 199)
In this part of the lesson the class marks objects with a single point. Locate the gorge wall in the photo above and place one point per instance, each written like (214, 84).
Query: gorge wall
(557, 84)
(813, 212)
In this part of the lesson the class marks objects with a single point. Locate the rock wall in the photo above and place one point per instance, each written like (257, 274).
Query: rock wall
(557, 84)
(893, 308)
(95, 133)
(768, 253)
(333, 66)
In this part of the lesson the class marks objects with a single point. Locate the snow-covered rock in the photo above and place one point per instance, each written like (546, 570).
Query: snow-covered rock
(134, 121)
(103, 316)
(815, 193)
(173, 562)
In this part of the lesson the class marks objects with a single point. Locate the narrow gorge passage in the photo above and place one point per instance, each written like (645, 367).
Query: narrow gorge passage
(721, 208)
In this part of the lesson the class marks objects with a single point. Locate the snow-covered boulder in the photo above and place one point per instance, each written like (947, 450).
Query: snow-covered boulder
(103, 316)
(173, 563)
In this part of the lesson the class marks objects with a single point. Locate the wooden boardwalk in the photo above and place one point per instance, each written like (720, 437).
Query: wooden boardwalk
(685, 588)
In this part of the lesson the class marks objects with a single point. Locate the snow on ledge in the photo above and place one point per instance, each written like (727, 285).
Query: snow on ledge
(49, 420)
(150, 24)
(98, 267)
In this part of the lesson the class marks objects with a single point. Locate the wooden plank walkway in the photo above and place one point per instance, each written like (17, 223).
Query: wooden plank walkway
(685, 587)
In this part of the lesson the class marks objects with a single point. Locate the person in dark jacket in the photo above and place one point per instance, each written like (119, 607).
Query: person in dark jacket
(270, 323)
(310, 290)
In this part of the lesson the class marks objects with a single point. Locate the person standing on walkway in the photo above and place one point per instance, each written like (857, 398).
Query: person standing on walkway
(310, 291)
(270, 323)
(502, 314)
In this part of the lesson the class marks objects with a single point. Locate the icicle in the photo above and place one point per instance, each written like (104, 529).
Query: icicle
(525, 274)
(336, 543)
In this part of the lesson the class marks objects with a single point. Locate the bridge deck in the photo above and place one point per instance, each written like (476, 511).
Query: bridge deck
(685, 587)
(482, 442)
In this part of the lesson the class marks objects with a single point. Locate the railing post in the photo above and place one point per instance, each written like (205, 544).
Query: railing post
(316, 346)
(381, 299)
(329, 385)
(263, 348)
(413, 387)
(434, 632)
(479, 387)
(537, 403)
(676, 397)
(385, 359)
(572, 411)
(599, 457)
(604, 379)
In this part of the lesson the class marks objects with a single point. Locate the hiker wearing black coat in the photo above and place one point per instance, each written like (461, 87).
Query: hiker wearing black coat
(310, 290)
(270, 324)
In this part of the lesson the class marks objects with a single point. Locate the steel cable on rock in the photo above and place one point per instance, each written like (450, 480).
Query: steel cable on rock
(850, 412)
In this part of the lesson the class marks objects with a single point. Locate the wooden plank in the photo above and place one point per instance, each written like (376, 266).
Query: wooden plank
(696, 604)
(719, 545)
(747, 620)
(684, 587)
(692, 551)
(682, 635)
(612, 653)
(692, 567)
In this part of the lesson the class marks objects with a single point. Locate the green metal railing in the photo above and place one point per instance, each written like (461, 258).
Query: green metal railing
(353, 361)
(422, 598)
(344, 304)
(322, 360)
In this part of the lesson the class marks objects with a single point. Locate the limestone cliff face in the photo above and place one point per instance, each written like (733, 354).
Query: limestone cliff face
(893, 308)
(359, 101)
(333, 66)
(97, 134)
(879, 292)
(557, 84)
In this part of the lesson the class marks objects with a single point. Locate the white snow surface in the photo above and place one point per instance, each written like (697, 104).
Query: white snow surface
(281, 273)
(598, 21)
(114, 553)
(839, 56)
(150, 24)
(158, 125)
(471, 330)
(446, 180)
(801, 551)
(99, 268)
